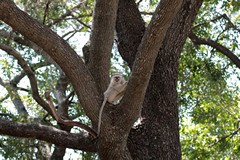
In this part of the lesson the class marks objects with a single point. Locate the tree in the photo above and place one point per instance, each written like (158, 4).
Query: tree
(152, 53)
(209, 84)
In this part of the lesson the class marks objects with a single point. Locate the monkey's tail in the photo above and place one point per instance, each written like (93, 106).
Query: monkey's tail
(100, 115)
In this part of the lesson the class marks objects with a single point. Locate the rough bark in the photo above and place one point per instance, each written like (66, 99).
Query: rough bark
(58, 153)
(49, 134)
(104, 18)
(158, 136)
(145, 58)
(130, 28)
(113, 136)
(161, 98)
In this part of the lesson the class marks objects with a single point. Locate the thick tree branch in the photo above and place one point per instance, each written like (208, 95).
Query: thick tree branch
(48, 107)
(201, 41)
(46, 133)
(145, 58)
(61, 52)
(130, 28)
(104, 18)
(160, 110)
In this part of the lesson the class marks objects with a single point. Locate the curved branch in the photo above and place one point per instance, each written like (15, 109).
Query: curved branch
(46, 133)
(35, 66)
(48, 107)
(30, 74)
(67, 122)
(199, 41)
(61, 52)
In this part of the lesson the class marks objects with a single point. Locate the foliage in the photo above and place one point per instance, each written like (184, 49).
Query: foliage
(46, 75)
(23, 150)
(208, 82)
(209, 87)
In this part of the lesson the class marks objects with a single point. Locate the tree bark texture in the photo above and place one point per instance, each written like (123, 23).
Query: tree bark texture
(152, 55)
(49, 134)
(114, 135)
(60, 51)
(158, 136)
(101, 40)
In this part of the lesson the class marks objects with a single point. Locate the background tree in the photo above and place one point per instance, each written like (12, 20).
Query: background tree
(40, 60)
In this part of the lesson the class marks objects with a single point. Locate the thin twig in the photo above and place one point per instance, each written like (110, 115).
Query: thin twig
(226, 136)
(68, 13)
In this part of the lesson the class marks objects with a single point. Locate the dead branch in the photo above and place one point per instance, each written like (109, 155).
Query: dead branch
(67, 122)
(46, 11)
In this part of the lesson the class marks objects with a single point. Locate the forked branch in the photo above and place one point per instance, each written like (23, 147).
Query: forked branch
(67, 122)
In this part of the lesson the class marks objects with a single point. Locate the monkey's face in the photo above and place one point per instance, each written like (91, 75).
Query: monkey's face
(117, 78)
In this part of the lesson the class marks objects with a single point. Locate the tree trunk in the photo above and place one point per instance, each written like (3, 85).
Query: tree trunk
(158, 136)
(113, 146)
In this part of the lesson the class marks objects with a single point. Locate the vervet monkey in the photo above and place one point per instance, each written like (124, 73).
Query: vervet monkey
(113, 94)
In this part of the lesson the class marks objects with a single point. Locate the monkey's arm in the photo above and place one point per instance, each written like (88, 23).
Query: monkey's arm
(121, 92)
(58, 118)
